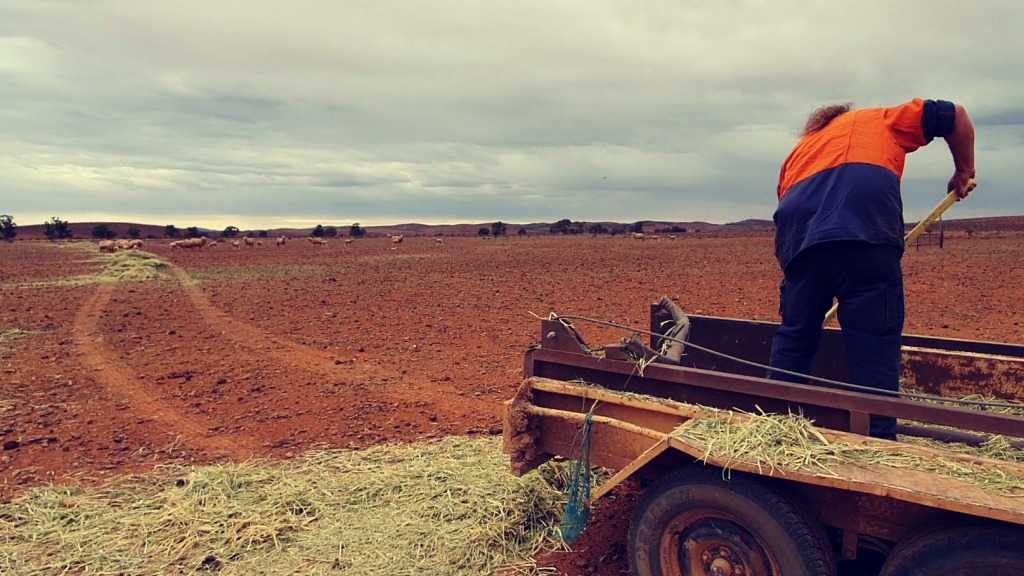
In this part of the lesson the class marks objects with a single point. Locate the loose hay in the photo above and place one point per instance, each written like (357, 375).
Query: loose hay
(776, 443)
(448, 507)
(132, 266)
(14, 334)
(124, 266)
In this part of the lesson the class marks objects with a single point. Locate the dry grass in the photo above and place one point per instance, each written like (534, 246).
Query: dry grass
(14, 334)
(124, 266)
(131, 266)
(446, 508)
(789, 442)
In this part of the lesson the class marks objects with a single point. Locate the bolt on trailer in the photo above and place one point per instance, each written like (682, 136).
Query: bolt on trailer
(742, 475)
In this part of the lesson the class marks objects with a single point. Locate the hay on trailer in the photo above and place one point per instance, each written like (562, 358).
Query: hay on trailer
(777, 442)
(448, 507)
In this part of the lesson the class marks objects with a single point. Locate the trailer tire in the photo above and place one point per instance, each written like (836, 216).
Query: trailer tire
(963, 550)
(696, 523)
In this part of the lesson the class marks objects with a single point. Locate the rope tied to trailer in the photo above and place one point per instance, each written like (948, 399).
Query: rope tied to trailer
(846, 385)
(581, 479)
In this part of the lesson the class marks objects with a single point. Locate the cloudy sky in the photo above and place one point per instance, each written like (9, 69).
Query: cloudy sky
(261, 113)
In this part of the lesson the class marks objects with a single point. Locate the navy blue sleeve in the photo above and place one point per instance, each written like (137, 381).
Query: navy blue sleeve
(938, 119)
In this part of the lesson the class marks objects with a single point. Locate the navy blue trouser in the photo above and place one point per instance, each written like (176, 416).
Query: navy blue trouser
(868, 282)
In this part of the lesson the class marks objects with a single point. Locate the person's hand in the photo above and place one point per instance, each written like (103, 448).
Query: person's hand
(962, 183)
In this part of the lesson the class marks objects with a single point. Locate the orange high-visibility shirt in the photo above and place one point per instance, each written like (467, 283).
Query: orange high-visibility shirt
(843, 181)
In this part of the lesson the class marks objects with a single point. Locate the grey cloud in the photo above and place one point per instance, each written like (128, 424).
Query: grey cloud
(459, 109)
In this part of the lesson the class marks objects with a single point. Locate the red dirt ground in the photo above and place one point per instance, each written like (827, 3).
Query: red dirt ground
(272, 351)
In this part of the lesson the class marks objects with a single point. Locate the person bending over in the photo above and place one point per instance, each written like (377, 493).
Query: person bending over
(839, 234)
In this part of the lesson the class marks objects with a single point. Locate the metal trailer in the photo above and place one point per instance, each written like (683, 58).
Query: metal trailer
(700, 515)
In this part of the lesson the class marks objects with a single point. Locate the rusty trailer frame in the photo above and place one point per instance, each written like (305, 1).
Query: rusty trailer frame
(637, 415)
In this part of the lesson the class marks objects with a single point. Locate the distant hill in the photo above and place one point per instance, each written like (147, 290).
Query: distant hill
(83, 230)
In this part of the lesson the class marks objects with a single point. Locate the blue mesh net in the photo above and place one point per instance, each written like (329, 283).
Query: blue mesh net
(577, 509)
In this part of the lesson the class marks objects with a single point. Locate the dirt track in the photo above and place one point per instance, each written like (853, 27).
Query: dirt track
(271, 351)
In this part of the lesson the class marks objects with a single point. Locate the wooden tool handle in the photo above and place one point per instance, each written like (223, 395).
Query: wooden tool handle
(916, 231)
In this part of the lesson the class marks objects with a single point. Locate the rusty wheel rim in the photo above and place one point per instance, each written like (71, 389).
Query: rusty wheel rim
(707, 542)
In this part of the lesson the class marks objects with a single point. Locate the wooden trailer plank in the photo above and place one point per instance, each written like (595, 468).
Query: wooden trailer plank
(628, 446)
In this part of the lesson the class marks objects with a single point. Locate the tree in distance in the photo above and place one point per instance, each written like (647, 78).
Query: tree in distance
(8, 229)
(171, 231)
(356, 231)
(103, 231)
(561, 227)
(230, 232)
(56, 229)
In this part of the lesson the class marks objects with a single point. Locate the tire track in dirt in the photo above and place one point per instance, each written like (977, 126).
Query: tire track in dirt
(122, 383)
(253, 338)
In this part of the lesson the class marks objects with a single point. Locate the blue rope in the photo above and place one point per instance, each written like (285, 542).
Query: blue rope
(577, 508)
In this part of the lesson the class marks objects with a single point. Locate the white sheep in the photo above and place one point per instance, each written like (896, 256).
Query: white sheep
(236, 245)
(280, 241)
(397, 239)
(249, 242)
(438, 241)
(638, 236)
(107, 246)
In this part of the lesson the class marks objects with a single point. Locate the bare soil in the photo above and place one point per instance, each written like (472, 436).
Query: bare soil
(267, 352)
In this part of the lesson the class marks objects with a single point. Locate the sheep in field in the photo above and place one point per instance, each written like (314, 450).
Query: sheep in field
(107, 246)
(397, 239)
(135, 244)
(280, 241)
(236, 245)
(192, 243)
(348, 241)
(438, 241)
(638, 236)
(249, 242)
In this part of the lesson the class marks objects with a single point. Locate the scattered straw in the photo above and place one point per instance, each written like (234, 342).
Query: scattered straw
(446, 508)
(132, 266)
(790, 442)
(124, 266)
(14, 334)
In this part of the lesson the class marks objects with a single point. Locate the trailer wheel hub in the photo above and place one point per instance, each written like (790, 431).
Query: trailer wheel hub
(716, 547)
(723, 567)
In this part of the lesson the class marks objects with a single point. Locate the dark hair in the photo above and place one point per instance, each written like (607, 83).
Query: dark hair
(823, 116)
